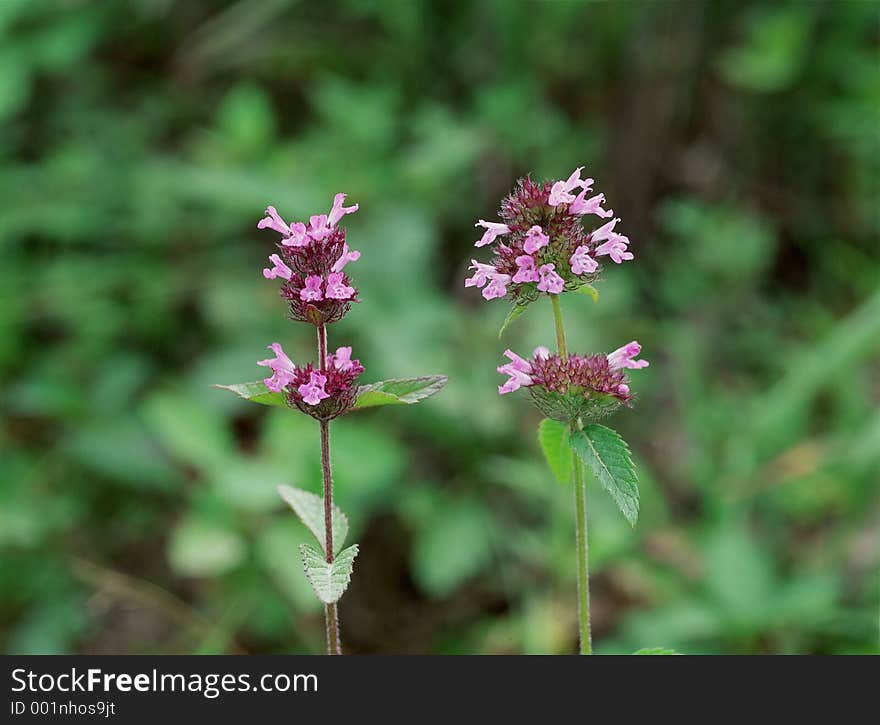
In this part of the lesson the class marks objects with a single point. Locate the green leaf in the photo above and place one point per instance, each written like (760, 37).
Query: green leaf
(553, 437)
(402, 391)
(607, 454)
(310, 509)
(256, 392)
(588, 289)
(656, 651)
(515, 312)
(328, 580)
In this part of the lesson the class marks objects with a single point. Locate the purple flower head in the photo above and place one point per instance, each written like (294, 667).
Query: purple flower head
(322, 394)
(311, 260)
(546, 221)
(493, 230)
(326, 394)
(584, 386)
(283, 369)
(624, 357)
(535, 239)
(527, 271)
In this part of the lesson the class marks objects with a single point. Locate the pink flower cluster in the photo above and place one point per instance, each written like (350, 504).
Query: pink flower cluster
(543, 246)
(581, 374)
(311, 260)
(323, 393)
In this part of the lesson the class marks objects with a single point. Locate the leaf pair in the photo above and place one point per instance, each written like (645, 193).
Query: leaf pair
(600, 448)
(400, 391)
(329, 580)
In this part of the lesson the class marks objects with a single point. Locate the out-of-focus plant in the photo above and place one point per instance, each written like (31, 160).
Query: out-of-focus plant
(311, 261)
(544, 249)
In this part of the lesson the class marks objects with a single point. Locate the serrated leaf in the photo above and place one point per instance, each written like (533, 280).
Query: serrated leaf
(553, 437)
(328, 580)
(402, 391)
(256, 392)
(309, 507)
(608, 456)
(515, 312)
(588, 289)
(656, 651)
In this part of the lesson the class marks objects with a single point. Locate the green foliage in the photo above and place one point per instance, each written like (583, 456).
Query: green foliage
(256, 392)
(590, 291)
(452, 546)
(402, 391)
(773, 52)
(328, 580)
(200, 547)
(514, 313)
(608, 456)
(655, 651)
(553, 437)
(141, 142)
(309, 507)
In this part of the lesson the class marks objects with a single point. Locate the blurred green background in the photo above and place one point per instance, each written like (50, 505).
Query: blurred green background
(140, 142)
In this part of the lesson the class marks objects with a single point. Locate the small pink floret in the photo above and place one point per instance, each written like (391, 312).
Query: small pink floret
(278, 269)
(497, 286)
(582, 262)
(624, 357)
(550, 282)
(336, 289)
(493, 230)
(527, 271)
(313, 391)
(535, 239)
(311, 292)
(282, 367)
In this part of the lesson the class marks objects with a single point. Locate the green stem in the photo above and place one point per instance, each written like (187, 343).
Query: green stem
(583, 561)
(560, 329)
(331, 613)
(580, 507)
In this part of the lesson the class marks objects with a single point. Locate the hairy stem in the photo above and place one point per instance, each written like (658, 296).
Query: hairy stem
(583, 562)
(580, 507)
(560, 329)
(331, 613)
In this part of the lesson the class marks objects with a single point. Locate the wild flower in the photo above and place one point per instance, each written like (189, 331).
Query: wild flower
(312, 263)
(547, 244)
